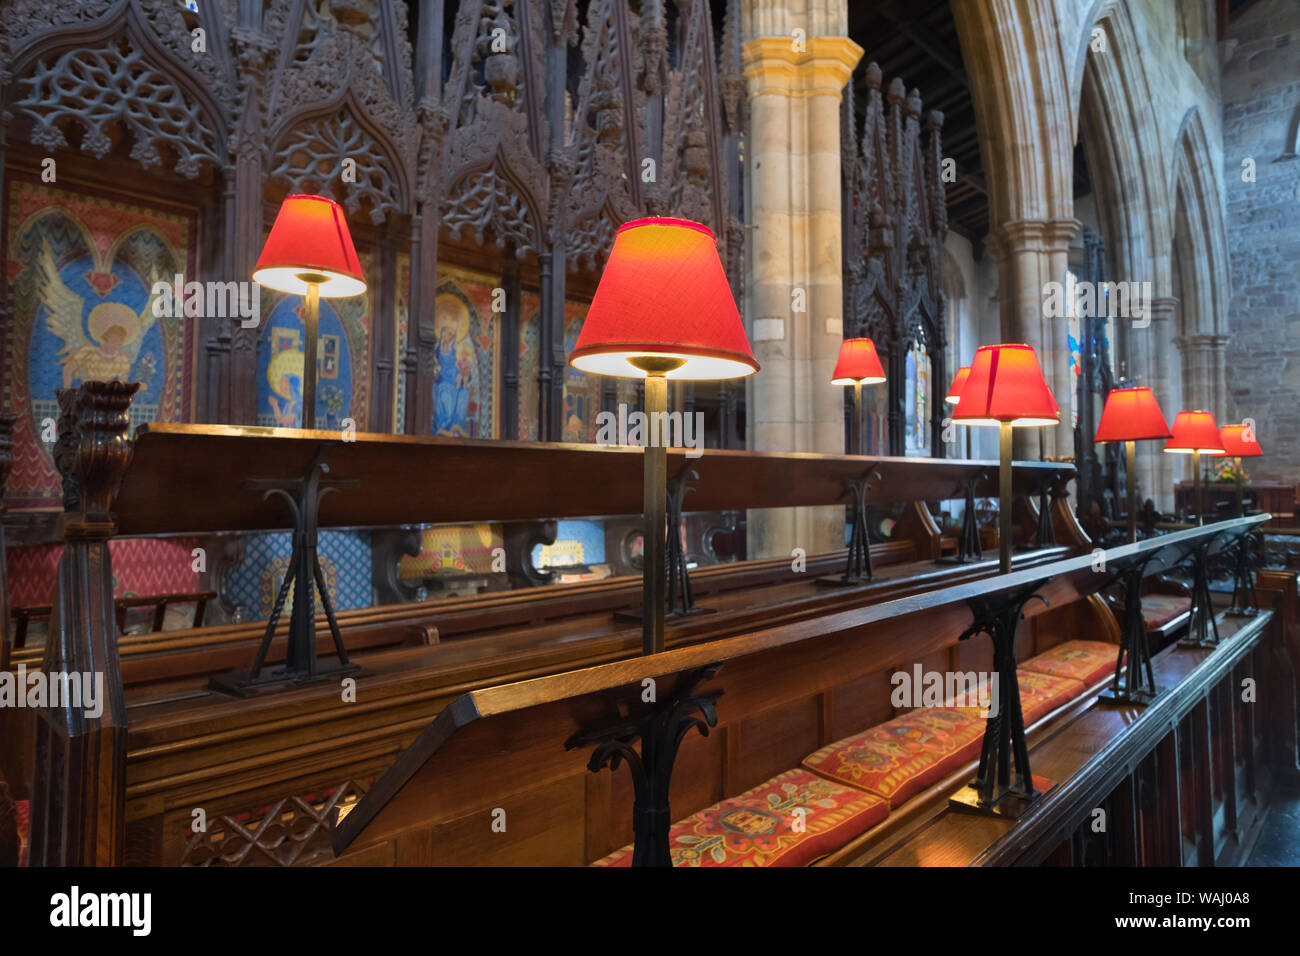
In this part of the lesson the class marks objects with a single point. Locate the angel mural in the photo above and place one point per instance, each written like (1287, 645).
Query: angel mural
(284, 376)
(453, 385)
(106, 345)
(281, 360)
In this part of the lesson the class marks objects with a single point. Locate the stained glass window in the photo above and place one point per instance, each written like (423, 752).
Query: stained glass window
(916, 400)
(1073, 340)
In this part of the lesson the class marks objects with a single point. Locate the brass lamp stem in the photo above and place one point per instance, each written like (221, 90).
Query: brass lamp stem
(1004, 497)
(859, 437)
(655, 505)
(1130, 467)
(1196, 487)
(310, 323)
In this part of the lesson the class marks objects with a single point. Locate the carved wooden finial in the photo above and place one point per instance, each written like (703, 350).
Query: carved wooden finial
(93, 449)
(897, 91)
(873, 75)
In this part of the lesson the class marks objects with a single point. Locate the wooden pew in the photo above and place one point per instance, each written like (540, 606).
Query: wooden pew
(745, 480)
(786, 689)
(188, 478)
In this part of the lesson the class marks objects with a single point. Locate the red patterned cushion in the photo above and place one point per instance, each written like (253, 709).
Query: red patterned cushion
(894, 762)
(1086, 661)
(1159, 609)
(1042, 693)
(757, 827)
(1039, 694)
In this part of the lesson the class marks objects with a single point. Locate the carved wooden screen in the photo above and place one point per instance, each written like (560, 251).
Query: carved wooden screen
(893, 228)
(1092, 362)
(519, 132)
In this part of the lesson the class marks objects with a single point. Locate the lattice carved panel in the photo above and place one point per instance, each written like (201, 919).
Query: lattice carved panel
(294, 831)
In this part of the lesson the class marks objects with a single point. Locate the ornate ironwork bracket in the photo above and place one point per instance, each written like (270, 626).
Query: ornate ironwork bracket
(680, 601)
(1134, 681)
(1045, 535)
(857, 567)
(1245, 558)
(968, 541)
(303, 496)
(1202, 629)
(995, 789)
(661, 733)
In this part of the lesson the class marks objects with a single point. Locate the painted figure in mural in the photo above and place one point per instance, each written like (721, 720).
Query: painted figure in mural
(105, 348)
(453, 375)
(575, 429)
(284, 375)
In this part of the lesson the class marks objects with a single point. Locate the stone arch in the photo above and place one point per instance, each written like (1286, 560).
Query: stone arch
(1200, 254)
(1017, 77)
(1014, 53)
(1117, 128)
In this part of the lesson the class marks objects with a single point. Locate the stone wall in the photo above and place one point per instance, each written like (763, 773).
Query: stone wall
(1261, 100)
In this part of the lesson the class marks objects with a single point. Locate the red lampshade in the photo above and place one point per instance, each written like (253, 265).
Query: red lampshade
(858, 363)
(1195, 431)
(1131, 414)
(663, 294)
(1006, 385)
(958, 383)
(310, 242)
(1239, 441)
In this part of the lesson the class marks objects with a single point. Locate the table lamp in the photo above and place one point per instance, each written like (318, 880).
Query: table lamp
(954, 396)
(309, 252)
(1239, 442)
(1131, 415)
(1195, 434)
(663, 309)
(858, 365)
(1006, 388)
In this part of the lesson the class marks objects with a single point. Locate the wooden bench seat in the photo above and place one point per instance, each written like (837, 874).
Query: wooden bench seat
(1083, 661)
(762, 826)
(851, 785)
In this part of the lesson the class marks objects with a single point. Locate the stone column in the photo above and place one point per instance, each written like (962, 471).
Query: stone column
(795, 75)
(1155, 468)
(1031, 253)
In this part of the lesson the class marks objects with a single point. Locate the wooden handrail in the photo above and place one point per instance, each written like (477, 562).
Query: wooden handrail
(194, 479)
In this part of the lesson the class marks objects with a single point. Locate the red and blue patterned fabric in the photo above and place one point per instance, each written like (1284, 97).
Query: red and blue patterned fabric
(1159, 609)
(1086, 661)
(1039, 694)
(902, 756)
(762, 826)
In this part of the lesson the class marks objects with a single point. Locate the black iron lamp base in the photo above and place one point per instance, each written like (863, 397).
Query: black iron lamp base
(635, 615)
(240, 684)
(1138, 697)
(1241, 611)
(843, 580)
(1010, 804)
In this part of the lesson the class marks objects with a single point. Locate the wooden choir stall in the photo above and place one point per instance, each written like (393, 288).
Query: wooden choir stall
(796, 722)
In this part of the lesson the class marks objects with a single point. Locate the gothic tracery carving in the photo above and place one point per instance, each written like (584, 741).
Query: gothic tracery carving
(893, 225)
(99, 88)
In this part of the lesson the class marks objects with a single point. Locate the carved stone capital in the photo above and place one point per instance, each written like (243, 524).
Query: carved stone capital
(773, 66)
